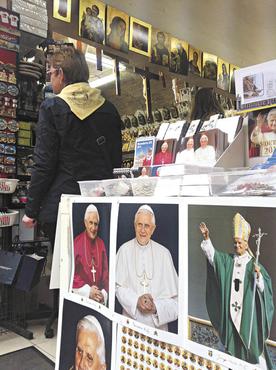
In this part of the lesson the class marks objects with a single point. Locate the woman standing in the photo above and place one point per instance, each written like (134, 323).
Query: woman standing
(78, 138)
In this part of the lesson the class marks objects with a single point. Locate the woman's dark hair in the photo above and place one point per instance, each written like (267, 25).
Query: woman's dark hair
(73, 64)
(205, 104)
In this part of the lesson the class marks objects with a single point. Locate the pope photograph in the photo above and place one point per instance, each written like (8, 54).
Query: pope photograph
(91, 249)
(147, 264)
(85, 342)
(239, 294)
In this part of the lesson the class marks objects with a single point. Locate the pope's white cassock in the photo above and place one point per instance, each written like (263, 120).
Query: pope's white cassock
(147, 269)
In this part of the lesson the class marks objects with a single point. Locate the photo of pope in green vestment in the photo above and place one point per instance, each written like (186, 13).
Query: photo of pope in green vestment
(230, 292)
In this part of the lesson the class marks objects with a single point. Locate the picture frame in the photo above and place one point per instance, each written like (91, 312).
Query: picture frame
(140, 37)
(92, 20)
(62, 10)
(223, 75)
(209, 66)
(160, 47)
(117, 29)
(195, 60)
(179, 56)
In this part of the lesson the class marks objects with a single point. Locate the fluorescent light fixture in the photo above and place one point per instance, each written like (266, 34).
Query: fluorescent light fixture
(103, 81)
(106, 62)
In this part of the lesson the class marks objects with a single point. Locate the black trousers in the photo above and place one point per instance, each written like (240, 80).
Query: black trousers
(50, 230)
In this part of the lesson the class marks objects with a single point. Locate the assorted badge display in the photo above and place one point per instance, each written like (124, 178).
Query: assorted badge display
(9, 47)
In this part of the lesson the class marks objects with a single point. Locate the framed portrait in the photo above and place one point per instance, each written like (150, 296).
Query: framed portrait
(160, 47)
(62, 10)
(92, 20)
(209, 66)
(147, 263)
(195, 60)
(164, 151)
(140, 37)
(86, 336)
(223, 77)
(235, 227)
(261, 134)
(232, 69)
(117, 29)
(206, 148)
(90, 250)
(179, 53)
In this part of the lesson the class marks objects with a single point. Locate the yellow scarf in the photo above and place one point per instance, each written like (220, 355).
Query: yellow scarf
(82, 99)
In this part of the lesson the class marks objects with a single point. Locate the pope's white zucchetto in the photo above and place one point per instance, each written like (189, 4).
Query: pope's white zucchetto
(91, 209)
(146, 208)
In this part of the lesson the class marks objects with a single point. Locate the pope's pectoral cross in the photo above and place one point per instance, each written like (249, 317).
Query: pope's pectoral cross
(237, 283)
(144, 282)
(93, 270)
(236, 306)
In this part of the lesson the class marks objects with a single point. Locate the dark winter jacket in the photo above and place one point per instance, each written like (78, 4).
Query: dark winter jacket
(67, 151)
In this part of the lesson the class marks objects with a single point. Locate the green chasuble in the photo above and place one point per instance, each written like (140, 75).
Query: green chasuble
(218, 292)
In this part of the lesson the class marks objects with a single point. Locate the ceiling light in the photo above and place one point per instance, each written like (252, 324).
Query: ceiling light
(102, 81)
(106, 62)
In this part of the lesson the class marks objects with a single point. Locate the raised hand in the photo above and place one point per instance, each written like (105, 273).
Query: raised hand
(204, 230)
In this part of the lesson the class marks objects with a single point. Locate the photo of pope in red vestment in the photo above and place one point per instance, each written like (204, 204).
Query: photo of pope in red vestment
(91, 276)
(164, 156)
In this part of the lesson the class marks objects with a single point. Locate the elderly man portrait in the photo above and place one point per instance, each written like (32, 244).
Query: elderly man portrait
(231, 296)
(91, 278)
(164, 156)
(146, 279)
(266, 140)
(90, 345)
(205, 155)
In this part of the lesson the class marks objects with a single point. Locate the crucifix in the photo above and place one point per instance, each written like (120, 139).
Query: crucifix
(144, 282)
(93, 270)
(147, 76)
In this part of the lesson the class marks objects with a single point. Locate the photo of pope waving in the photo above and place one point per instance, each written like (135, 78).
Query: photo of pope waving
(239, 296)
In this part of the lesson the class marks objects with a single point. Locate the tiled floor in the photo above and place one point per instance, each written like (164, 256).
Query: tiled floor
(10, 342)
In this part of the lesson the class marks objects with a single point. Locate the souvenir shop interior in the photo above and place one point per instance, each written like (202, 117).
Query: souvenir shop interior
(168, 263)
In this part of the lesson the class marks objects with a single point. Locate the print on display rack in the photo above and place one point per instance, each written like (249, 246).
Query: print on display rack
(91, 250)
(86, 336)
(231, 303)
(262, 135)
(147, 266)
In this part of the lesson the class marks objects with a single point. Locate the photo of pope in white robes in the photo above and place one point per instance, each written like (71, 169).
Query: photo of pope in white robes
(146, 276)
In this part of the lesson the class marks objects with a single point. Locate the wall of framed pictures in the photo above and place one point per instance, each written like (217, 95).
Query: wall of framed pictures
(132, 39)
